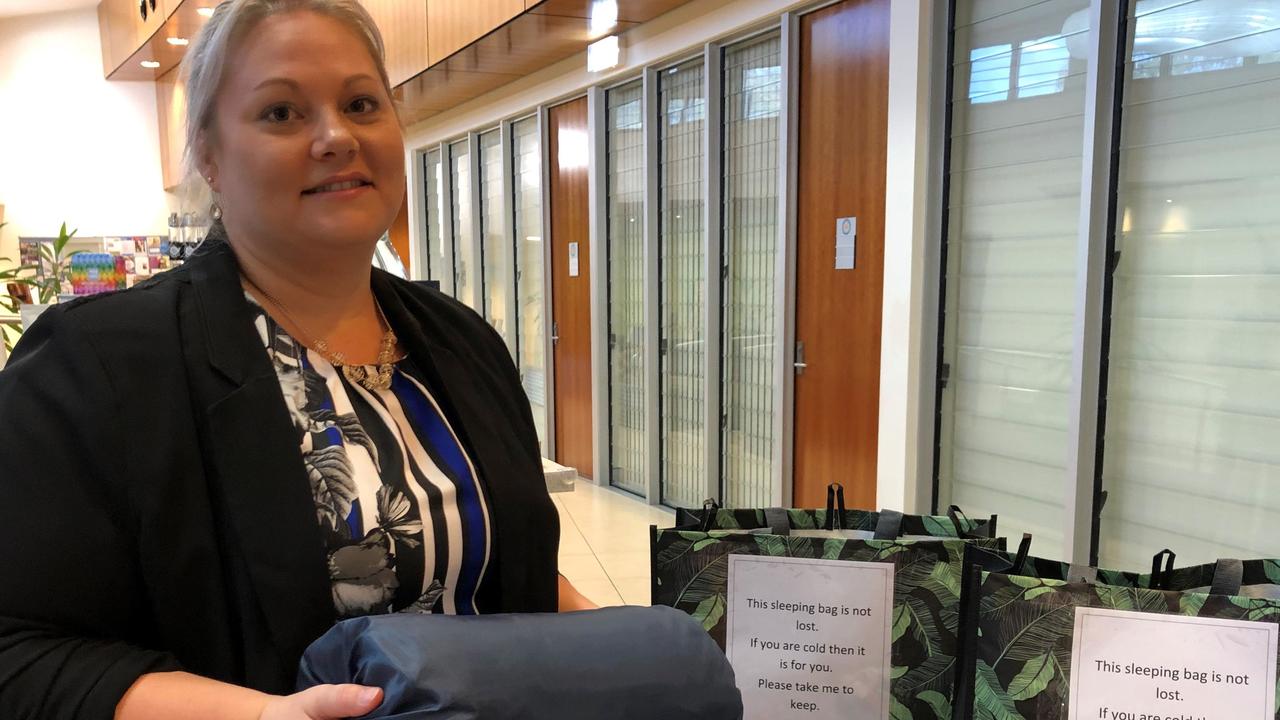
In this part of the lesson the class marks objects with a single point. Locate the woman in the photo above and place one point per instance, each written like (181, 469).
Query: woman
(203, 473)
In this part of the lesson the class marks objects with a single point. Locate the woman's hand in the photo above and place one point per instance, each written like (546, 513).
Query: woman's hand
(183, 696)
(323, 702)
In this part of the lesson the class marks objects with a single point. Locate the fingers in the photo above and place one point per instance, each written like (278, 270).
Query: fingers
(332, 702)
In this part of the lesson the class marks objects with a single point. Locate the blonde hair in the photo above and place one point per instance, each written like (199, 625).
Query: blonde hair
(205, 63)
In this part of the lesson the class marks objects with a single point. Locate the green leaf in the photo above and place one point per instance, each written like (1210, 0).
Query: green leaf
(709, 580)
(1191, 603)
(944, 576)
(772, 545)
(63, 238)
(897, 671)
(1114, 597)
(1272, 568)
(939, 702)
(1123, 598)
(1033, 678)
(1025, 582)
(709, 612)
(831, 548)
(1026, 630)
(991, 698)
(937, 674)
(726, 521)
(923, 625)
(938, 527)
(888, 548)
(898, 711)
(704, 543)
(1034, 593)
(801, 520)
(901, 621)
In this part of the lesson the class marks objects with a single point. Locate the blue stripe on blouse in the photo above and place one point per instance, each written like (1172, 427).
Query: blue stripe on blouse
(432, 427)
(355, 520)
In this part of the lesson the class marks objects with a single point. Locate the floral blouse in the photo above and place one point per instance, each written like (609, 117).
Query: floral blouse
(405, 520)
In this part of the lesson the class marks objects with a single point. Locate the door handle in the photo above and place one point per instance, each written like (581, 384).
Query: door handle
(799, 363)
(555, 333)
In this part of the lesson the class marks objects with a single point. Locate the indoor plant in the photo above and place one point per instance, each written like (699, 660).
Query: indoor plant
(46, 287)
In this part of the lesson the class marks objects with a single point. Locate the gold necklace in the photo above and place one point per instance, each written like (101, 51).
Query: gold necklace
(380, 379)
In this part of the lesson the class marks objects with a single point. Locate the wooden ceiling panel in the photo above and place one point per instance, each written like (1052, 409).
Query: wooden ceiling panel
(631, 11)
(442, 89)
(526, 44)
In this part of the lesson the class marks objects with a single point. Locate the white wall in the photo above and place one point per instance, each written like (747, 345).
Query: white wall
(73, 146)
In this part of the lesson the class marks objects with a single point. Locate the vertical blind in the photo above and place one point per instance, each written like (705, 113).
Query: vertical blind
(1013, 217)
(752, 75)
(681, 116)
(625, 246)
(1192, 460)
(526, 168)
(434, 213)
(495, 249)
(463, 234)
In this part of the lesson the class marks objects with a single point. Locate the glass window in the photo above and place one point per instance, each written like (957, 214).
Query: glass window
(463, 233)
(750, 238)
(526, 168)
(434, 214)
(1191, 459)
(760, 91)
(1013, 221)
(1043, 66)
(625, 243)
(989, 73)
(496, 250)
(682, 102)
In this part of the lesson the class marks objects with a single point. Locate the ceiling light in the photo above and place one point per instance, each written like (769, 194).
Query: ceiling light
(205, 12)
(181, 42)
(150, 64)
(604, 16)
(603, 54)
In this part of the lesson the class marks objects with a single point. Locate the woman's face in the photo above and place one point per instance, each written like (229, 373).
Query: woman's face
(305, 145)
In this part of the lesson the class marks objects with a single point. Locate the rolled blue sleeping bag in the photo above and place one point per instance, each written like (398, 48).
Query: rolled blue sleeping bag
(615, 663)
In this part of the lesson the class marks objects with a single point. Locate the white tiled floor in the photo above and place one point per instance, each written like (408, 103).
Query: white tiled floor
(604, 542)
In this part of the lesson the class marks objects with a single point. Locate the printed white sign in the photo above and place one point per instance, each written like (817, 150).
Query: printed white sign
(573, 259)
(846, 243)
(1140, 666)
(810, 638)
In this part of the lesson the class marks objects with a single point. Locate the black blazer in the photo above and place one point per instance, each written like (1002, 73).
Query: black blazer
(154, 509)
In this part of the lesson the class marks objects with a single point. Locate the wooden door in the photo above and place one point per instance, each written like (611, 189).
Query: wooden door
(570, 291)
(843, 121)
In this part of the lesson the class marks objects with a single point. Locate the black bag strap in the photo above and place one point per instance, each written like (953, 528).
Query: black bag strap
(967, 639)
(1227, 577)
(835, 507)
(709, 509)
(778, 521)
(959, 520)
(889, 525)
(1160, 577)
(1024, 550)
